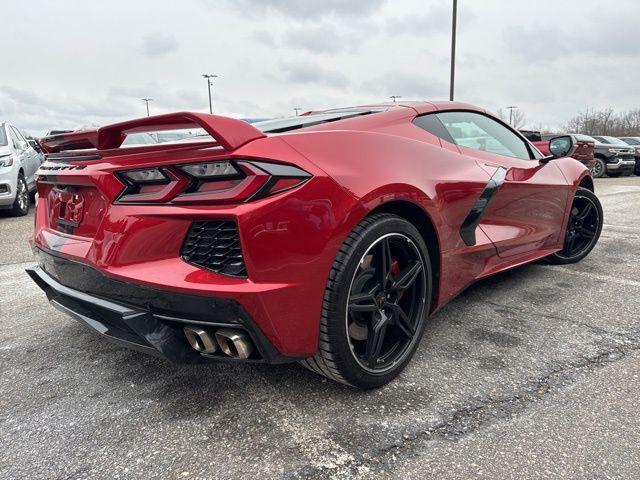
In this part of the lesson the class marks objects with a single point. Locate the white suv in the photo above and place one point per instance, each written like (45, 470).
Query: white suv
(18, 164)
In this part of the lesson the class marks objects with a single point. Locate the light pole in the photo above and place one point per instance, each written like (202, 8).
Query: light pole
(209, 76)
(297, 109)
(453, 48)
(395, 97)
(147, 100)
(511, 109)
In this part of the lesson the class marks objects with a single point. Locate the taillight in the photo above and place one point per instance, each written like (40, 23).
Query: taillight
(211, 170)
(227, 181)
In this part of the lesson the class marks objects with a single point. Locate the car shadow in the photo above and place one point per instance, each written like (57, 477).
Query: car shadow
(190, 391)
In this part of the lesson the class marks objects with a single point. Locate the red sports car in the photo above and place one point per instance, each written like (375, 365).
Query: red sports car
(327, 238)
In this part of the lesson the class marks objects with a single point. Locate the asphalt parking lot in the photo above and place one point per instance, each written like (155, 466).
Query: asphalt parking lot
(534, 373)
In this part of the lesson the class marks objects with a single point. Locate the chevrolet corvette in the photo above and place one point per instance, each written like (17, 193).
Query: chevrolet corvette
(329, 238)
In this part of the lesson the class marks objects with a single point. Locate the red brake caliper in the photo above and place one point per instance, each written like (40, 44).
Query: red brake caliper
(395, 271)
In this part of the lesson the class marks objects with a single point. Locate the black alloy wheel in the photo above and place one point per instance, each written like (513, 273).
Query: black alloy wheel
(375, 304)
(583, 228)
(386, 302)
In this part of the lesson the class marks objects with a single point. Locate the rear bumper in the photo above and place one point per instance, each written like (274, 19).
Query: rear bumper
(143, 318)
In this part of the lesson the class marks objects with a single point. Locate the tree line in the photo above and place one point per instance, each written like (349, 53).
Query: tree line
(606, 122)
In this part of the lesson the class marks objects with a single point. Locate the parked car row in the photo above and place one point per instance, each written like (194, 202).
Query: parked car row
(604, 155)
(19, 160)
(624, 158)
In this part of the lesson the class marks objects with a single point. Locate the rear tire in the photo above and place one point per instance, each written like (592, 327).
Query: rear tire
(583, 229)
(599, 168)
(20, 205)
(372, 321)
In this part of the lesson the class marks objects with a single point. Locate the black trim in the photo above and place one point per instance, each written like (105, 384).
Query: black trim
(215, 245)
(277, 172)
(141, 317)
(472, 220)
(70, 157)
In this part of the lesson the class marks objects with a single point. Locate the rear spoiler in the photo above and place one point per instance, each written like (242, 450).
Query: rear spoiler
(69, 141)
(227, 132)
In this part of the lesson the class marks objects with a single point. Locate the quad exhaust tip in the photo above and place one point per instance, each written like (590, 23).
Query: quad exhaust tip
(200, 340)
(234, 343)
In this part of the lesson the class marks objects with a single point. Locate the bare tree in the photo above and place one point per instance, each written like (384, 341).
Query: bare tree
(518, 119)
(515, 119)
(606, 122)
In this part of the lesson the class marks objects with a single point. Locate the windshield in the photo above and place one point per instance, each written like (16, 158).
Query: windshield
(615, 141)
(584, 138)
(631, 140)
(3, 137)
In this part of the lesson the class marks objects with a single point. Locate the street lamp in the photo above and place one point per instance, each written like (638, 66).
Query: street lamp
(453, 48)
(395, 97)
(209, 76)
(147, 100)
(511, 109)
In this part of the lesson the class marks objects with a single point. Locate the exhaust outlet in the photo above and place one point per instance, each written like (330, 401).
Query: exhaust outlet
(200, 340)
(234, 343)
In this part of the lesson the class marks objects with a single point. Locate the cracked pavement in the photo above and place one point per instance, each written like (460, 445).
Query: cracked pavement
(533, 373)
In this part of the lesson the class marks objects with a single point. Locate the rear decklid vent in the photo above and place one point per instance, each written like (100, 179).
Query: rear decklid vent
(215, 245)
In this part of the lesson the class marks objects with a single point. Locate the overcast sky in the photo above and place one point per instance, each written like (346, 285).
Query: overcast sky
(68, 63)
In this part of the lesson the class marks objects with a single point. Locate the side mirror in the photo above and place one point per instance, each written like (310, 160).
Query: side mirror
(559, 147)
(22, 145)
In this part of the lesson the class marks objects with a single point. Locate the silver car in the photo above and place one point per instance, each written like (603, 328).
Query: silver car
(18, 164)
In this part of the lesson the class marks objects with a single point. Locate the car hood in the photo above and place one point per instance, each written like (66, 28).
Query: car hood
(4, 151)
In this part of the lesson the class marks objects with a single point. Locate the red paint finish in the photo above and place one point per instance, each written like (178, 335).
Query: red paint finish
(290, 239)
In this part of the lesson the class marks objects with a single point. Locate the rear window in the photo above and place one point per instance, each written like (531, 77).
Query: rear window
(166, 136)
(293, 123)
(278, 125)
(3, 137)
(140, 139)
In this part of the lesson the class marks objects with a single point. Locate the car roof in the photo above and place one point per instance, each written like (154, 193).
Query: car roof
(360, 117)
(426, 106)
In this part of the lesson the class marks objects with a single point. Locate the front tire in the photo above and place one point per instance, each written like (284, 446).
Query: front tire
(375, 304)
(583, 229)
(599, 169)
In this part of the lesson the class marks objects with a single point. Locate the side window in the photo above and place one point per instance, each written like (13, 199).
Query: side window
(13, 136)
(3, 137)
(18, 134)
(431, 124)
(479, 132)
